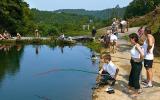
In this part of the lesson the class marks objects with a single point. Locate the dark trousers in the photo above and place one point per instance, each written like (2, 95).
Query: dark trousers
(106, 77)
(136, 68)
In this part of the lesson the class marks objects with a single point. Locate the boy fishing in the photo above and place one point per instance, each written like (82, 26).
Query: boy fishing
(108, 71)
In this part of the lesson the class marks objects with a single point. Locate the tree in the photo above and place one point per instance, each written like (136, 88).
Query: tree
(140, 7)
(14, 15)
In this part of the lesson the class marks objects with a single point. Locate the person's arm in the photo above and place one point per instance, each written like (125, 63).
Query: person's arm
(139, 49)
(100, 72)
(150, 43)
(117, 70)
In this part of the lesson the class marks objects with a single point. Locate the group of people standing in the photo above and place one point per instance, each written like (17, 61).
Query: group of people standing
(141, 53)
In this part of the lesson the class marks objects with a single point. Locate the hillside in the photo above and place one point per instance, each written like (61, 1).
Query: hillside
(149, 20)
(102, 14)
(56, 23)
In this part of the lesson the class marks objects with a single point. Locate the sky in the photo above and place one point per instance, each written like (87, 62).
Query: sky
(51, 5)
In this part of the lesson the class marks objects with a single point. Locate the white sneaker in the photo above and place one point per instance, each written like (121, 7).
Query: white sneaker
(148, 86)
(109, 89)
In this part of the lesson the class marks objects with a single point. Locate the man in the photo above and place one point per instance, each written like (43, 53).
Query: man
(94, 33)
(113, 42)
(148, 52)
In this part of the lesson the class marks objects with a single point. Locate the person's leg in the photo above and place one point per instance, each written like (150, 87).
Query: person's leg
(130, 83)
(150, 76)
(136, 70)
(148, 66)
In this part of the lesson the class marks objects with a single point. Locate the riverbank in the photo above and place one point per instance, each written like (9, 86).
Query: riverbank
(122, 59)
(27, 40)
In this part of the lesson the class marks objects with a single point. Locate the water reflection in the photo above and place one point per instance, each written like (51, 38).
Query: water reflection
(10, 56)
(37, 49)
(19, 64)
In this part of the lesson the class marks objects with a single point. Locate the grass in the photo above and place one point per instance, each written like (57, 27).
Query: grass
(95, 46)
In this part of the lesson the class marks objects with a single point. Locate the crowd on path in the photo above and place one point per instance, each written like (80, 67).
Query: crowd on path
(141, 55)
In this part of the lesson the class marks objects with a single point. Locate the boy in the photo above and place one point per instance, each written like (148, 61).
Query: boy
(109, 71)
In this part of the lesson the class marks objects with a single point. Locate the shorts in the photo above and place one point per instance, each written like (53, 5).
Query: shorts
(148, 63)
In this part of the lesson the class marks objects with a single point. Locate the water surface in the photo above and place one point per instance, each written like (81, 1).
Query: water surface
(28, 72)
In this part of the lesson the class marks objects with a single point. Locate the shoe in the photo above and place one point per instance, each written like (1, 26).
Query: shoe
(148, 86)
(140, 91)
(110, 90)
(145, 81)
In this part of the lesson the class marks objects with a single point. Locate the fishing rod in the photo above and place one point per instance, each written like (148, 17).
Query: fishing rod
(68, 69)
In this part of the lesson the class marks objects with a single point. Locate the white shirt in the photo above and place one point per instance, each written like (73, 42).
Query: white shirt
(135, 53)
(148, 55)
(110, 68)
(123, 22)
(113, 38)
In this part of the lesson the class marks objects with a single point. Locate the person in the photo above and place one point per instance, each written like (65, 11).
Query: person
(108, 71)
(113, 42)
(117, 25)
(127, 26)
(18, 36)
(1, 37)
(140, 31)
(148, 59)
(114, 25)
(70, 38)
(123, 24)
(107, 39)
(37, 33)
(6, 35)
(94, 33)
(62, 37)
(137, 55)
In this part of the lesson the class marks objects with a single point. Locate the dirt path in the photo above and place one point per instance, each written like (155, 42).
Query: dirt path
(121, 58)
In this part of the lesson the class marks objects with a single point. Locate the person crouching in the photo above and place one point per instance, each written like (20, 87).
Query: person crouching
(109, 71)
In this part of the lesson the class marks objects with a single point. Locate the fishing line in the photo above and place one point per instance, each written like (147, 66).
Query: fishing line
(69, 69)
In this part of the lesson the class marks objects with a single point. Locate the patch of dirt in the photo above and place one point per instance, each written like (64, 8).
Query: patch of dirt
(122, 59)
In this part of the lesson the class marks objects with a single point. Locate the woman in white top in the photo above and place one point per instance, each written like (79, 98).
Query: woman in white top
(148, 52)
(137, 56)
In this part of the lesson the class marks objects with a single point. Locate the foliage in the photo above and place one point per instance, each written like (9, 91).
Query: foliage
(51, 23)
(96, 46)
(140, 7)
(15, 16)
(100, 14)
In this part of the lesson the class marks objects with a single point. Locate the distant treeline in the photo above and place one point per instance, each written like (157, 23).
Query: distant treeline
(101, 14)
(70, 21)
(16, 17)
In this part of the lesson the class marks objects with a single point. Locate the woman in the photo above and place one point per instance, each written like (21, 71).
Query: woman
(137, 55)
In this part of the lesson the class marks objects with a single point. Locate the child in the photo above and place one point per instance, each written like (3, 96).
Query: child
(109, 71)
